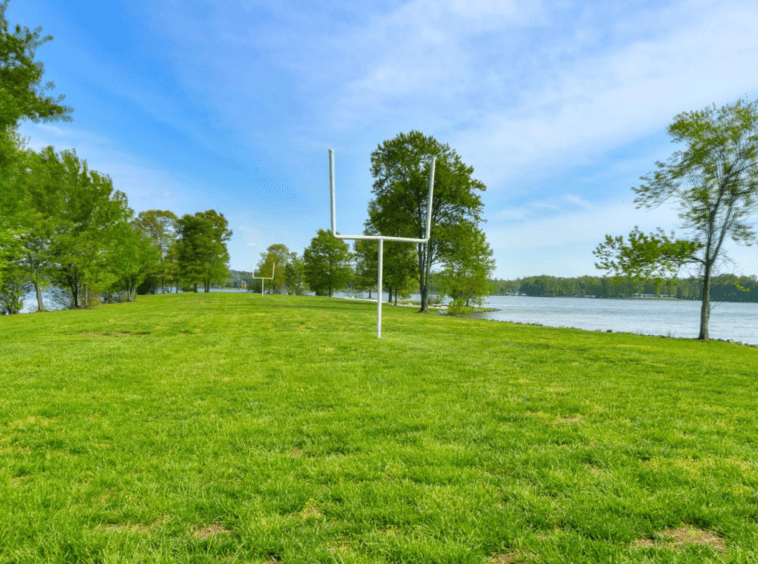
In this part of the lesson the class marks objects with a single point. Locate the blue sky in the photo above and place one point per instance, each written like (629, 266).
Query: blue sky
(560, 106)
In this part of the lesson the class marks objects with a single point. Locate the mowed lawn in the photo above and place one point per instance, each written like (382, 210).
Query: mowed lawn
(247, 428)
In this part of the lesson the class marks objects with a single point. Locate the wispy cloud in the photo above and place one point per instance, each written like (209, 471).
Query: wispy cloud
(560, 106)
(534, 209)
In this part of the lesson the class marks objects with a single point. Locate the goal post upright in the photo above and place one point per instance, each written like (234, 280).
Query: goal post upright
(380, 238)
(262, 279)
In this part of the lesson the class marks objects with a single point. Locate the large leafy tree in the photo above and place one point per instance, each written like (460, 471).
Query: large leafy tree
(294, 274)
(327, 264)
(159, 226)
(133, 256)
(467, 267)
(84, 210)
(277, 254)
(41, 221)
(400, 168)
(201, 250)
(268, 264)
(714, 180)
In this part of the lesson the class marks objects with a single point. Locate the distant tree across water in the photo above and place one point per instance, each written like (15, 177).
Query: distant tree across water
(725, 288)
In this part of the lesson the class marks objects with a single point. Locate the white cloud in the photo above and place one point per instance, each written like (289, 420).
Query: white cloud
(599, 102)
(548, 100)
(561, 243)
(536, 209)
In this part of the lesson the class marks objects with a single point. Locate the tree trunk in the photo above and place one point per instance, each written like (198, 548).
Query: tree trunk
(424, 290)
(369, 293)
(38, 290)
(73, 284)
(195, 288)
(424, 268)
(705, 309)
(389, 295)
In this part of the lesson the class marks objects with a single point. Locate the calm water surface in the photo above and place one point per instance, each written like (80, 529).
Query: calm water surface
(737, 321)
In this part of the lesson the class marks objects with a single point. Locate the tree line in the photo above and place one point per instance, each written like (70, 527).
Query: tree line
(63, 226)
(725, 287)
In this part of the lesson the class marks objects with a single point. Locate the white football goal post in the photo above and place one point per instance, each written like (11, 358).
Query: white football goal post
(381, 238)
(262, 279)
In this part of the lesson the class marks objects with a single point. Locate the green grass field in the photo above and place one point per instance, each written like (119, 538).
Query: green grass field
(242, 428)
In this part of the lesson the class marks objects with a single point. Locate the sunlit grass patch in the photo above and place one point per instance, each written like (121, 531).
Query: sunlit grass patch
(241, 428)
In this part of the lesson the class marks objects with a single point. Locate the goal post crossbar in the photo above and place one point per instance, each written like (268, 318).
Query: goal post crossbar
(381, 238)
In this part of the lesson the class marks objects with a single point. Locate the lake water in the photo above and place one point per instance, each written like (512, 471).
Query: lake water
(675, 318)
(729, 320)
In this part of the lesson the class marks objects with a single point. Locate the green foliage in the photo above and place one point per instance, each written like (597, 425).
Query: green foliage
(279, 255)
(367, 264)
(132, 257)
(294, 274)
(726, 287)
(230, 427)
(13, 201)
(11, 273)
(22, 92)
(400, 168)
(11, 293)
(267, 268)
(467, 268)
(327, 264)
(714, 180)
(85, 210)
(201, 251)
(22, 96)
(10, 250)
(400, 268)
(159, 226)
(40, 224)
(645, 257)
